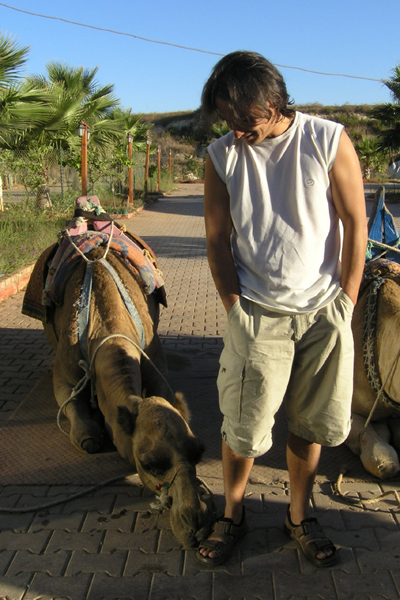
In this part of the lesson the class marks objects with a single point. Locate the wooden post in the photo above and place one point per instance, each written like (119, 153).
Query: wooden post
(84, 162)
(169, 167)
(130, 171)
(84, 132)
(146, 168)
(158, 169)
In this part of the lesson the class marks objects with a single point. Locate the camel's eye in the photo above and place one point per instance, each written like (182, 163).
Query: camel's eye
(156, 466)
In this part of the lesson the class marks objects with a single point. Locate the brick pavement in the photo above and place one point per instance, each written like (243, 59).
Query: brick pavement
(109, 544)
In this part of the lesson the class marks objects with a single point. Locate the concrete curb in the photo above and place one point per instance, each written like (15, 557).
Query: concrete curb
(15, 283)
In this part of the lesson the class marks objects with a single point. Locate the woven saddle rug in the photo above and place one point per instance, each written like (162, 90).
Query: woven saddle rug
(52, 270)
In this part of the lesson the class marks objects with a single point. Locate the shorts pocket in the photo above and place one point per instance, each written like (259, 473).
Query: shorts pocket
(346, 301)
(234, 309)
(230, 384)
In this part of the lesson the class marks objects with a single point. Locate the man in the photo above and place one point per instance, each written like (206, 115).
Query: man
(277, 188)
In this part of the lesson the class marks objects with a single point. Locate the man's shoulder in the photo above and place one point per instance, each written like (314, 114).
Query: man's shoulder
(224, 142)
(317, 123)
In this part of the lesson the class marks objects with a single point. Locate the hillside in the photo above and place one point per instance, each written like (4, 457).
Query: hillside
(186, 136)
(188, 124)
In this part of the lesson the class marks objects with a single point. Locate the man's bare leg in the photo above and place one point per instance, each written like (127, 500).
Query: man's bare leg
(236, 471)
(302, 460)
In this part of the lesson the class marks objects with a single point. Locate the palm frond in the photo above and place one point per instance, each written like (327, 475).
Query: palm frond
(12, 58)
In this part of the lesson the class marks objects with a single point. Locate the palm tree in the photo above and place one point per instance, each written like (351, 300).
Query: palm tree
(127, 122)
(11, 60)
(371, 157)
(389, 115)
(75, 96)
(21, 105)
(111, 157)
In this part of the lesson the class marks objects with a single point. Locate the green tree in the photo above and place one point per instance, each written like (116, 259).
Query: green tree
(371, 157)
(389, 115)
(74, 95)
(219, 129)
(12, 58)
(22, 106)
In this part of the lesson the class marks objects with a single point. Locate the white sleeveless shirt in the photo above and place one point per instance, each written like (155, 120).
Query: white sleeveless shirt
(286, 238)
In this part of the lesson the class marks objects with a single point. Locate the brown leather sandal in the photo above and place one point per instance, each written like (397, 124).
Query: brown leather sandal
(311, 540)
(221, 540)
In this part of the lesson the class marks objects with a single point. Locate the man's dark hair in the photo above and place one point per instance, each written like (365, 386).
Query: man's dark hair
(250, 84)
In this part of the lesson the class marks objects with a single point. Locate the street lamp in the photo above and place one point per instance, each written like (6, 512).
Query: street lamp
(130, 170)
(84, 133)
(146, 168)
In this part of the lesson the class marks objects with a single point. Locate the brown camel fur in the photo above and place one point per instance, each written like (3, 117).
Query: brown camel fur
(379, 443)
(147, 423)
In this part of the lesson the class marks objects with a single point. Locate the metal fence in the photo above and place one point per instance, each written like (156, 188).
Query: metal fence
(64, 181)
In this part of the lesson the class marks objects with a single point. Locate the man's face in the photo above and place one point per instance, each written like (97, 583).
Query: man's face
(255, 132)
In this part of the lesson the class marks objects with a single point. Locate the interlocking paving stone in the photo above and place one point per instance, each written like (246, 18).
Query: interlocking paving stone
(111, 563)
(373, 562)
(25, 562)
(64, 540)
(45, 587)
(388, 540)
(320, 581)
(350, 586)
(13, 588)
(237, 587)
(17, 523)
(9, 501)
(104, 587)
(33, 542)
(167, 541)
(71, 522)
(146, 521)
(96, 521)
(166, 562)
(173, 588)
(357, 521)
(358, 539)
(284, 560)
(6, 557)
(116, 540)
(102, 504)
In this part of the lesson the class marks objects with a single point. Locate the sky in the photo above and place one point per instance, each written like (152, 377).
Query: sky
(351, 37)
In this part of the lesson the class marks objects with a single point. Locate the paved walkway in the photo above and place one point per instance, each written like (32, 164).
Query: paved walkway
(110, 545)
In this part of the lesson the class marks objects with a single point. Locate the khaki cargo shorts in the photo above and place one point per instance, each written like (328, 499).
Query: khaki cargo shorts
(304, 359)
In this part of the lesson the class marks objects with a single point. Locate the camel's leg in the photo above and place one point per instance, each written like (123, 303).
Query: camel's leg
(394, 426)
(382, 430)
(85, 433)
(378, 457)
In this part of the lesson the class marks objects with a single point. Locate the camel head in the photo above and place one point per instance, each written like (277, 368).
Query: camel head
(165, 453)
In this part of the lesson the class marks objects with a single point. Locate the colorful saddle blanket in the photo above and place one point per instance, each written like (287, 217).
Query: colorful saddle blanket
(53, 268)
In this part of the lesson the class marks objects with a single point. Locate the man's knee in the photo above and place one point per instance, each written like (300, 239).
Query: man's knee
(246, 442)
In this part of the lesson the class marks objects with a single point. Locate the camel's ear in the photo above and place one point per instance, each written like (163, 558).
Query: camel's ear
(127, 415)
(181, 406)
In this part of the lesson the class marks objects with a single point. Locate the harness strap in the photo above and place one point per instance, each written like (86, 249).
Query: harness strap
(127, 300)
(370, 343)
(83, 310)
(84, 306)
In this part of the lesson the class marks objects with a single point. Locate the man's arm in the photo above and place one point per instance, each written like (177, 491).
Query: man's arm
(218, 231)
(348, 197)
